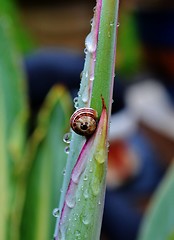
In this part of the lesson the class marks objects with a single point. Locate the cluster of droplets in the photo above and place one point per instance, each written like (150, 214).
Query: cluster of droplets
(77, 234)
(111, 25)
(67, 139)
(76, 102)
(85, 218)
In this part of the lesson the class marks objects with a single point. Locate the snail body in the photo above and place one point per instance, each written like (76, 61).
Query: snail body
(84, 121)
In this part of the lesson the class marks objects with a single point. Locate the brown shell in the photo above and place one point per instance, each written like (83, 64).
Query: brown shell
(84, 121)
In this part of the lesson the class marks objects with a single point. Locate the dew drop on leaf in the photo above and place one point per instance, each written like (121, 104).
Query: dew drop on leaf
(109, 34)
(56, 212)
(91, 77)
(85, 50)
(95, 187)
(76, 105)
(77, 233)
(81, 75)
(85, 178)
(85, 95)
(86, 219)
(67, 149)
(100, 156)
(67, 137)
(90, 44)
(64, 172)
(86, 194)
(76, 98)
(70, 200)
(94, 9)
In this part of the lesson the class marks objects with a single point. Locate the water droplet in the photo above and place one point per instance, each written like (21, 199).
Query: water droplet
(91, 77)
(79, 200)
(90, 43)
(70, 200)
(86, 219)
(76, 102)
(75, 99)
(91, 21)
(77, 233)
(86, 193)
(67, 149)
(67, 137)
(112, 24)
(56, 212)
(61, 190)
(76, 105)
(109, 34)
(86, 74)
(91, 170)
(81, 74)
(75, 176)
(85, 178)
(64, 172)
(108, 144)
(118, 24)
(95, 186)
(99, 203)
(85, 50)
(100, 156)
(85, 95)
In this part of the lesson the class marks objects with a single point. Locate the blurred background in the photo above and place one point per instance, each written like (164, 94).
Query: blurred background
(142, 122)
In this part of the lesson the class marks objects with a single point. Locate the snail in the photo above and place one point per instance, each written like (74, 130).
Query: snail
(84, 121)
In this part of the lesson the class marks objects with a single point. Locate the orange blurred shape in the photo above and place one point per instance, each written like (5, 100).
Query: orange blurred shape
(123, 163)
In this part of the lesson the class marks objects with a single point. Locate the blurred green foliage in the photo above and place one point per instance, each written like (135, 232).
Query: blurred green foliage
(129, 53)
(9, 14)
(46, 164)
(159, 220)
(30, 167)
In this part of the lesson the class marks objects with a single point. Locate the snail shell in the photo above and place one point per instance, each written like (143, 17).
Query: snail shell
(84, 121)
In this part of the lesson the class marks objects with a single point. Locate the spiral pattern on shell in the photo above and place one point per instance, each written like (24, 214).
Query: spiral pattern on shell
(84, 121)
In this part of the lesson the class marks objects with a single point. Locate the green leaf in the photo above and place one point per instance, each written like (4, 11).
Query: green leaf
(97, 82)
(46, 163)
(159, 219)
(11, 15)
(105, 59)
(14, 111)
(82, 212)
